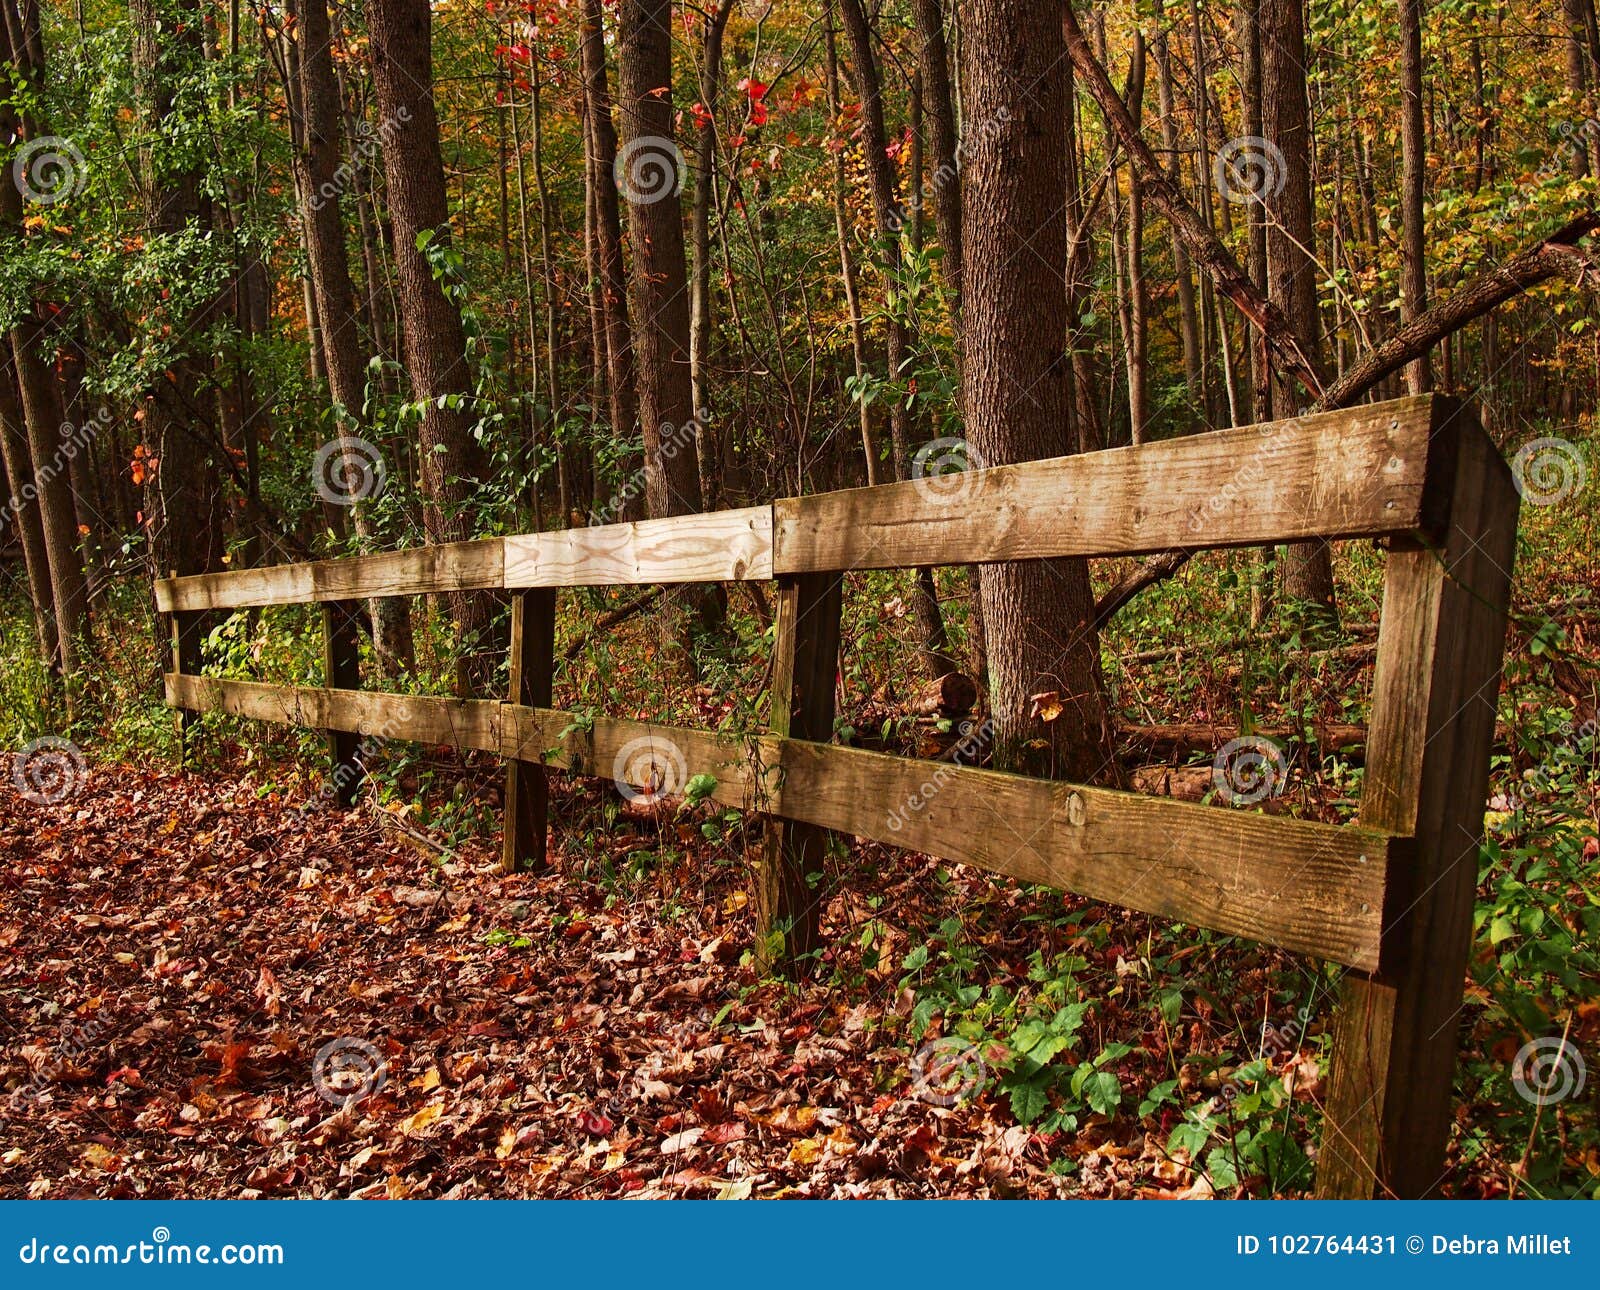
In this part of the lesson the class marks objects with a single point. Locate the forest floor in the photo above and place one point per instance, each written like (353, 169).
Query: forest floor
(178, 949)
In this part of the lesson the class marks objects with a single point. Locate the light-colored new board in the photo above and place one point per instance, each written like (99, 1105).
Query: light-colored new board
(722, 546)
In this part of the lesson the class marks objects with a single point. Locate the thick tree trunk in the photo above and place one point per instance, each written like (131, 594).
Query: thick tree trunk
(1188, 319)
(700, 306)
(453, 465)
(317, 158)
(24, 510)
(601, 152)
(1039, 615)
(939, 105)
(647, 172)
(1307, 567)
(49, 440)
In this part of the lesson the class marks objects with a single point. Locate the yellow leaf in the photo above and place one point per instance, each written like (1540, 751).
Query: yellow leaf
(508, 1144)
(423, 1118)
(428, 1080)
(806, 1151)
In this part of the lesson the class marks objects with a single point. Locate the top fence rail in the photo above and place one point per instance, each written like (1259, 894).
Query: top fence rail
(1371, 471)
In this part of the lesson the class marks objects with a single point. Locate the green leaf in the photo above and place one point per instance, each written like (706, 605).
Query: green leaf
(699, 788)
(1103, 1091)
(1028, 1101)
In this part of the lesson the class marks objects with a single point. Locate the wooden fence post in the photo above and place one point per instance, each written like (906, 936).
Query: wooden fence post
(805, 664)
(527, 804)
(185, 629)
(341, 662)
(1440, 648)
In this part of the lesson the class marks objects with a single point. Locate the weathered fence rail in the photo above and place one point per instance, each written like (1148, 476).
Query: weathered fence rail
(1390, 899)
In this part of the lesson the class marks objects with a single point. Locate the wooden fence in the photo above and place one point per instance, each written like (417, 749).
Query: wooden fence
(1390, 898)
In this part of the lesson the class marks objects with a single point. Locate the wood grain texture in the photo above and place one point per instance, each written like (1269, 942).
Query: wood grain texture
(1437, 680)
(532, 671)
(455, 723)
(1305, 886)
(1360, 472)
(789, 891)
(1311, 887)
(341, 670)
(454, 566)
(722, 546)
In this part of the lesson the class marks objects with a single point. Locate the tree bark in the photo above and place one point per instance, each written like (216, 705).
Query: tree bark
(317, 158)
(601, 152)
(939, 105)
(1039, 615)
(435, 344)
(1307, 568)
(24, 510)
(1414, 168)
(891, 219)
(648, 172)
(700, 305)
(49, 439)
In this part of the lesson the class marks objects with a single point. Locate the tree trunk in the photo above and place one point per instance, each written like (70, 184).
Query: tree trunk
(1414, 166)
(1292, 276)
(601, 151)
(1138, 331)
(934, 60)
(647, 172)
(317, 158)
(705, 186)
(24, 510)
(453, 465)
(1188, 319)
(1039, 615)
(33, 346)
(890, 220)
